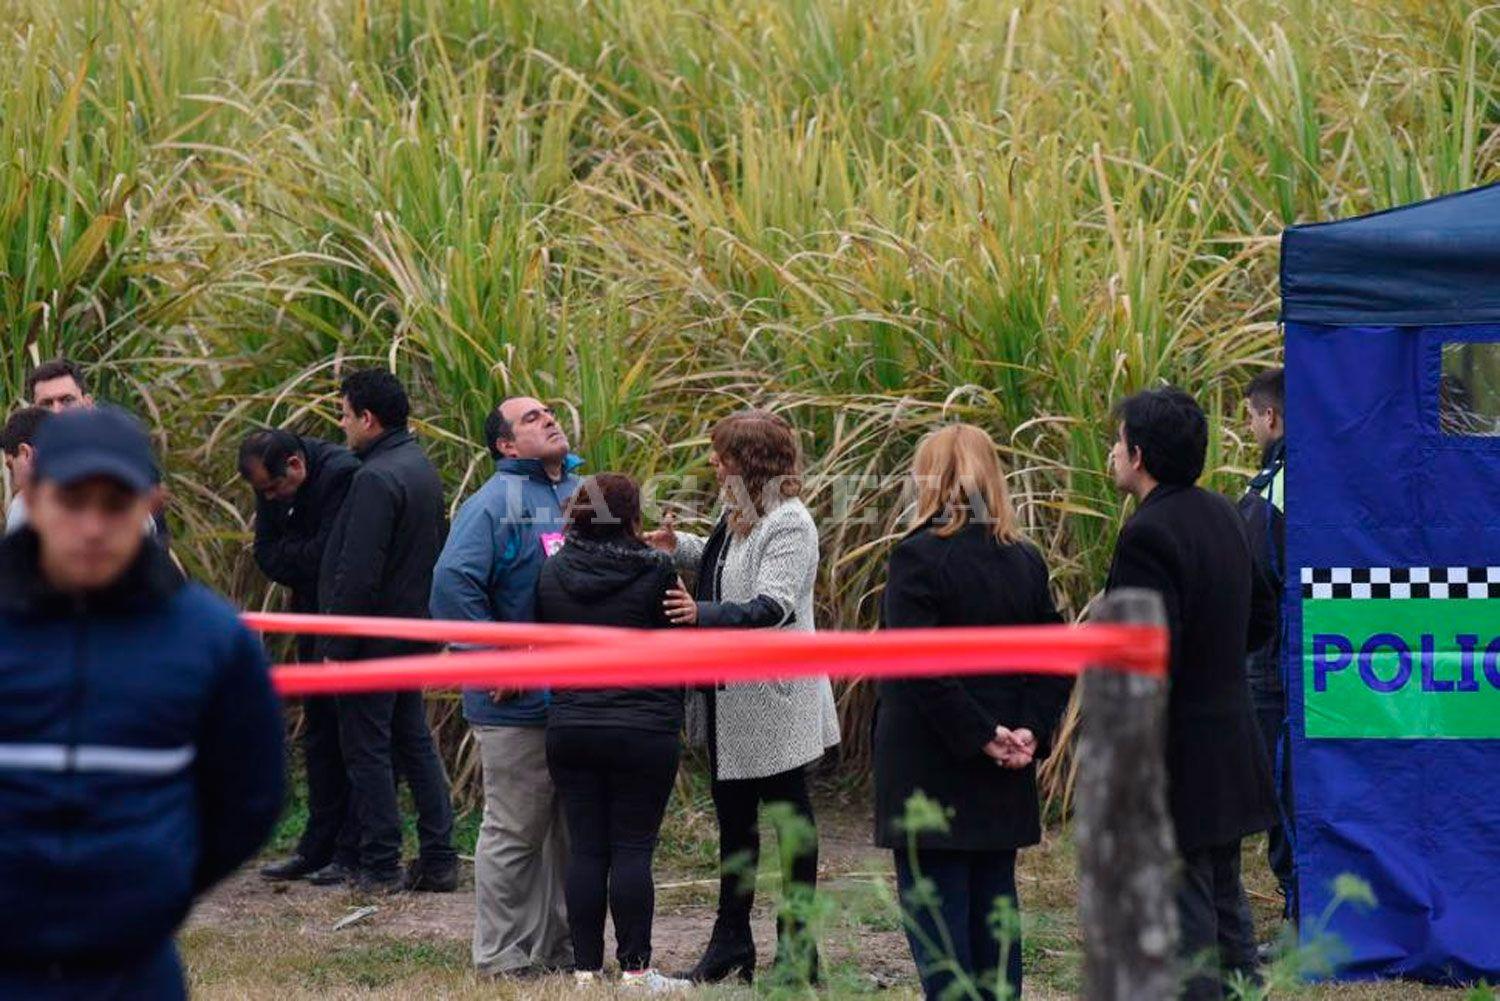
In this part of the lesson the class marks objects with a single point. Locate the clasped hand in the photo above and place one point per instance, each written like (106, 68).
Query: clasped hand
(1012, 748)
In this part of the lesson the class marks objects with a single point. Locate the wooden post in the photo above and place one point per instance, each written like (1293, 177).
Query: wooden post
(1127, 854)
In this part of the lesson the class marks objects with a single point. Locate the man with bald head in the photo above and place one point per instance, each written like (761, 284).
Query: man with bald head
(488, 572)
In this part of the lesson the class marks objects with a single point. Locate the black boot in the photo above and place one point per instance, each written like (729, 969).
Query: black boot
(730, 953)
(431, 877)
(796, 953)
(296, 867)
(332, 874)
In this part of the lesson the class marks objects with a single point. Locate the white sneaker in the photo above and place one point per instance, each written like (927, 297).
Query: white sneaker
(652, 982)
(584, 978)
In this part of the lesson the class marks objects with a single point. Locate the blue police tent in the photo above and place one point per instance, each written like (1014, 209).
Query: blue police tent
(1392, 637)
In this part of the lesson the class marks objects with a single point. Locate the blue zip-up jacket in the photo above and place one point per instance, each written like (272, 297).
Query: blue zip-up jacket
(489, 567)
(140, 763)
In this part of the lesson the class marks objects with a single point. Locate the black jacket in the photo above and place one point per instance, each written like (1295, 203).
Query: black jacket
(387, 537)
(290, 536)
(610, 584)
(1265, 524)
(930, 733)
(141, 755)
(1190, 546)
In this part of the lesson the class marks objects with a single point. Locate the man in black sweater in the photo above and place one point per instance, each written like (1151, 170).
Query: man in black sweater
(379, 561)
(1190, 546)
(300, 485)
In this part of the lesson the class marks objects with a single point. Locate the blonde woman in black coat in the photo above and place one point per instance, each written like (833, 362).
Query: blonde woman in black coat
(970, 743)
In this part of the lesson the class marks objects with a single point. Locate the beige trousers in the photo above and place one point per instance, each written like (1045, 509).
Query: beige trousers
(520, 921)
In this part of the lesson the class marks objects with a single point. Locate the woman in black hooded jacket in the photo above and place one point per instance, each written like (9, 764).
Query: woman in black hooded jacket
(612, 752)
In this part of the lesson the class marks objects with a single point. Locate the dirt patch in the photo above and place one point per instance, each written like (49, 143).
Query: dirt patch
(683, 921)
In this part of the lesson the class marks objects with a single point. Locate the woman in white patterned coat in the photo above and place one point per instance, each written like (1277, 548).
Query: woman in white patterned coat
(756, 571)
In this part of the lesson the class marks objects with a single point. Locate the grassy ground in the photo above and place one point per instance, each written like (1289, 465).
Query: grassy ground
(253, 941)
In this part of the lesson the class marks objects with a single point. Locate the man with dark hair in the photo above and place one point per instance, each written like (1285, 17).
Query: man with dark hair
(1190, 546)
(16, 443)
(58, 385)
(488, 572)
(300, 484)
(140, 740)
(1264, 509)
(378, 561)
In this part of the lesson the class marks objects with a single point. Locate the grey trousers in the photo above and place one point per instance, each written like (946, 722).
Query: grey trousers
(520, 921)
(1218, 936)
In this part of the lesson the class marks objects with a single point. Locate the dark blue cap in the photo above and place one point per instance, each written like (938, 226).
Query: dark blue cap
(85, 444)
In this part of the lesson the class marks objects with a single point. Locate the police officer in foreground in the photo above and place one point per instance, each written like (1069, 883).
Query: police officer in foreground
(140, 740)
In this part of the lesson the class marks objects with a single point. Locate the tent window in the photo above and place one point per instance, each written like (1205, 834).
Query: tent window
(1469, 389)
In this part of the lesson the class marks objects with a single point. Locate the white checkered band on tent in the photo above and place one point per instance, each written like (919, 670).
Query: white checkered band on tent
(1400, 583)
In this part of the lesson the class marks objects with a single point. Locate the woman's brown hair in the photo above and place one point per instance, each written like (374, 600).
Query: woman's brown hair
(959, 477)
(762, 448)
(606, 507)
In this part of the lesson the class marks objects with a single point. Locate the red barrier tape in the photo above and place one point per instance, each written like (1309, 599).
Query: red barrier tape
(598, 657)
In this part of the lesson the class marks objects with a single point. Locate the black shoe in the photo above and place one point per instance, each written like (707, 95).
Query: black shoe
(431, 877)
(379, 884)
(332, 874)
(730, 953)
(295, 867)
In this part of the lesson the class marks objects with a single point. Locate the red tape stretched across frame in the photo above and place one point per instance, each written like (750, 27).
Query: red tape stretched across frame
(560, 656)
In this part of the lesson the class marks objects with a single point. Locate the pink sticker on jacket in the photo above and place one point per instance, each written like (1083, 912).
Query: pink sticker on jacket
(551, 543)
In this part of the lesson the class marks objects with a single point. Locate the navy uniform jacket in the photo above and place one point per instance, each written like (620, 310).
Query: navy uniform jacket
(140, 763)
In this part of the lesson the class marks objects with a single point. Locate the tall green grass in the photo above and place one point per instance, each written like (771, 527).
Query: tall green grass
(874, 215)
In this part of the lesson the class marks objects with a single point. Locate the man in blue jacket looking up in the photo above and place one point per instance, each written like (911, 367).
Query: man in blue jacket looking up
(488, 572)
(140, 741)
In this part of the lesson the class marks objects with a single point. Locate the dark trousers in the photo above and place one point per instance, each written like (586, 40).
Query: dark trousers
(614, 783)
(737, 805)
(383, 735)
(951, 937)
(1270, 714)
(1218, 936)
(331, 834)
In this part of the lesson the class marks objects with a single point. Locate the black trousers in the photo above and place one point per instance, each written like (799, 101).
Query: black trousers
(331, 834)
(737, 804)
(1270, 713)
(952, 936)
(1218, 935)
(614, 783)
(383, 735)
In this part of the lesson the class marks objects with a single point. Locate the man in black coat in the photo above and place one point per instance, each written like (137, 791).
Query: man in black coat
(379, 561)
(300, 485)
(1190, 546)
